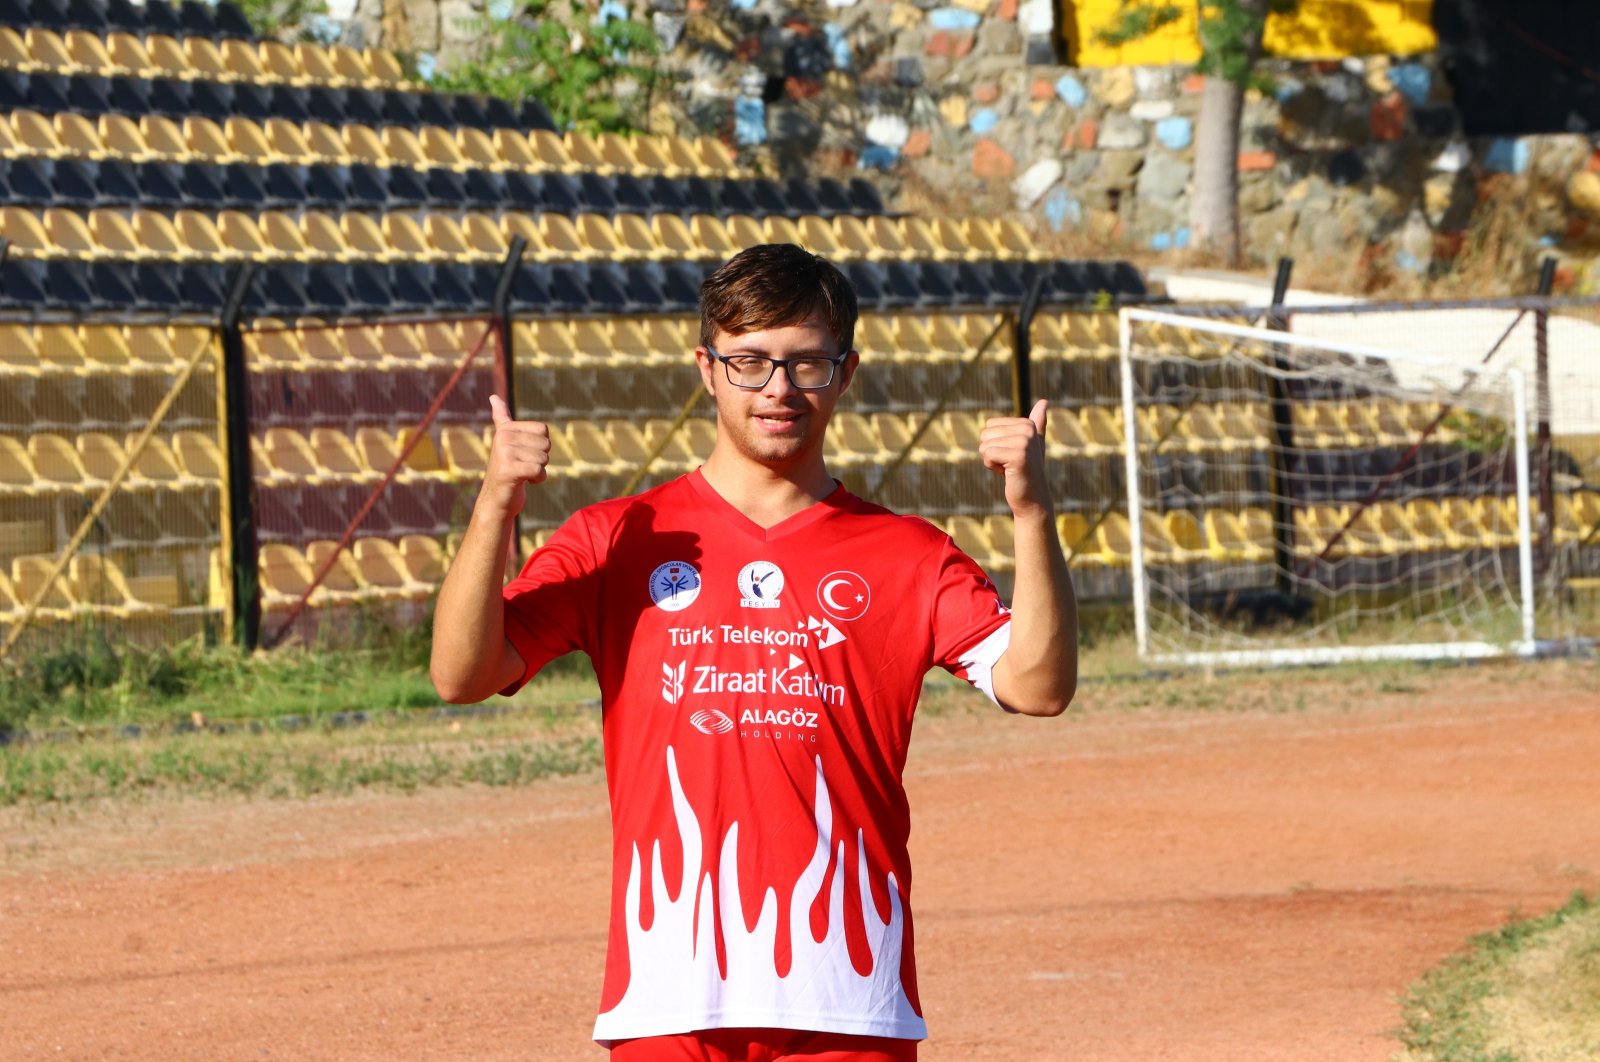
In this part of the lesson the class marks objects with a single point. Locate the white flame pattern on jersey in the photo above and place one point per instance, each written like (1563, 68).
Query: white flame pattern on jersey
(676, 986)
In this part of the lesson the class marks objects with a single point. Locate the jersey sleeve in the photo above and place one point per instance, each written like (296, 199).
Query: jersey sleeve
(551, 604)
(971, 625)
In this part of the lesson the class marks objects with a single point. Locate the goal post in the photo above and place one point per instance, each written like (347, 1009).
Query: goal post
(1296, 501)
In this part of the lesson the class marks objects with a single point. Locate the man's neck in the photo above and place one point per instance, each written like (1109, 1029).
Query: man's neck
(766, 495)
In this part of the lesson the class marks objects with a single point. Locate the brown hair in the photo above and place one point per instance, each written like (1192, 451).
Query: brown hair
(776, 284)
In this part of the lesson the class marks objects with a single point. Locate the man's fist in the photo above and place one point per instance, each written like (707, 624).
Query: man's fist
(519, 455)
(1014, 447)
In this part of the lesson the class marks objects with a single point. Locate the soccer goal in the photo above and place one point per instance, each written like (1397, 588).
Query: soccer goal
(1306, 501)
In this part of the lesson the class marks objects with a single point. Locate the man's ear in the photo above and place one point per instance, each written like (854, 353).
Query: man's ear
(847, 370)
(707, 367)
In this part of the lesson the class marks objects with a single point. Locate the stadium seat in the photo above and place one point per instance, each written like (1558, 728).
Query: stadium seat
(383, 570)
(29, 578)
(342, 581)
(100, 585)
(1238, 537)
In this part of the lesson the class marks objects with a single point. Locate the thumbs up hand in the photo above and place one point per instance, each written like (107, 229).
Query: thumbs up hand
(519, 455)
(1014, 447)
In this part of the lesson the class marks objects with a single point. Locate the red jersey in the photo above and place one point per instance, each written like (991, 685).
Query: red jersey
(757, 688)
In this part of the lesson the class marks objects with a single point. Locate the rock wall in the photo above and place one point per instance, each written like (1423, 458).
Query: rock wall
(962, 106)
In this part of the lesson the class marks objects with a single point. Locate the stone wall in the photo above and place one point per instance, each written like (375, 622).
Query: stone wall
(961, 105)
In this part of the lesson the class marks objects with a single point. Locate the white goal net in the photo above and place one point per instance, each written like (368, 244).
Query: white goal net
(1294, 501)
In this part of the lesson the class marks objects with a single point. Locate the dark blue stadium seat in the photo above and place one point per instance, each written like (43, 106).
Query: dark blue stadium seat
(597, 193)
(523, 191)
(171, 97)
(369, 287)
(367, 186)
(465, 110)
(286, 188)
(609, 291)
(119, 183)
(680, 285)
(1008, 281)
(114, 284)
(159, 288)
(402, 108)
(498, 114)
(411, 285)
(630, 194)
(196, 19)
(700, 195)
(364, 106)
(22, 282)
(864, 198)
(325, 104)
(561, 192)
(900, 284)
(732, 197)
(51, 14)
(433, 108)
(90, 96)
(483, 189)
(291, 103)
(231, 22)
(162, 184)
(30, 181)
(972, 284)
(832, 198)
(252, 100)
(867, 278)
(129, 96)
(768, 197)
(533, 115)
(407, 187)
(799, 197)
(211, 99)
(202, 284)
(124, 15)
(14, 90)
(76, 182)
(161, 17)
(530, 287)
(88, 15)
(48, 93)
(936, 283)
(66, 283)
(442, 187)
(245, 186)
(664, 195)
(204, 183)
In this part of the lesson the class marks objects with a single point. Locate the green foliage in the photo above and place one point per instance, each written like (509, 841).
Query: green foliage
(279, 18)
(1230, 31)
(579, 71)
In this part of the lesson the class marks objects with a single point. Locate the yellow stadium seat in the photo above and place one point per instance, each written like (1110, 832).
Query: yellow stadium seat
(713, 237)
(342, 579)
(351, 66)
(951, 237)
(48, 51)
(816, 235)
(287, 140)
(404, 149)
(281, 63)
(382, 569)
(242, 237)
(670, 233)
(198, 455)
(16, 469)
(167, 58)
(100, 585)
(14, 54)
(634, 238)
(854, 239)
(288, 457)
(122, 139)
(30, 576)
(105, 348)
(465, 455)
(205, 59)
(283, 238)
(778, 229)
(1230, 538)
(1076, 540)
(19, 351)
(515, 151)
(1115, 540)
(384, 67)
(70, 233)
(36, 134)
(406, 238)
(716, 156)
(475, 148)
(366, 239)
(128, 55)
(887, 237)
(111, 231)
(60, 349)
(423, 558)
(551, 151)
(79, 137)
(745, 230)
(243, 61)
(447, 242)
(56, 461)
(164, 138)
(317, 64)
(922, 241)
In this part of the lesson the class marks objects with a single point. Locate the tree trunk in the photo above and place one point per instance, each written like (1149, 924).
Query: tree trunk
(1214, 210)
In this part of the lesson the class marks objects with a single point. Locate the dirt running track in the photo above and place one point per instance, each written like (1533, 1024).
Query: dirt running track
(1128, 886)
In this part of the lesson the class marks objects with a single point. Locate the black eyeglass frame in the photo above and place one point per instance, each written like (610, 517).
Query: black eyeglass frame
(772, 367)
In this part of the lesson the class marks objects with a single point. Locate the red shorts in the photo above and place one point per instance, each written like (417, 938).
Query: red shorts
(764, 1045)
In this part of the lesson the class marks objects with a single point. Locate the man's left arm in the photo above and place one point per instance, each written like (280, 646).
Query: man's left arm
(1038, 672)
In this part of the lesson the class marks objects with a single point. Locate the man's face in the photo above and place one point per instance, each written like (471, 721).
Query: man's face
(778, 425)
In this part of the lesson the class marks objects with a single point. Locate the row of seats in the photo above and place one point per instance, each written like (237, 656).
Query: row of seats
(46, 463)
(85, 183)
(372, 569)
(95, 347)
(296, 289)
(101, 584)
(151, 55)
(197, 138)
(175, 97)
(1386, 529)
(311, 235)
(136, 16)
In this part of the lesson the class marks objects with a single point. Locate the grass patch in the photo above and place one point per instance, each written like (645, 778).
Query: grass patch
(396, 754)
(1523, 993)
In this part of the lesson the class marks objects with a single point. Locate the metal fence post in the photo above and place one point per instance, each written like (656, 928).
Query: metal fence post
(1283, 434)
(507, 368)
(1022, 359)
(1544, 527)
(242, 564)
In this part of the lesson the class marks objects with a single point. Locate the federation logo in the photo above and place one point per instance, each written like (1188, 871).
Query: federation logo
(674, 586)
(711, 721)
(760, 583)
(672, 682)
(844, 595)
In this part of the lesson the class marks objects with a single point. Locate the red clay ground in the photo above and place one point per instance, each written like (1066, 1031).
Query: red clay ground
(1128, 886)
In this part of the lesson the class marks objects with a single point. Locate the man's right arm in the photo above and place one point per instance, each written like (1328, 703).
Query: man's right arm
(472, 659)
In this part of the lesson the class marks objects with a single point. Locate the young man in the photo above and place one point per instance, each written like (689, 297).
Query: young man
(760, 637)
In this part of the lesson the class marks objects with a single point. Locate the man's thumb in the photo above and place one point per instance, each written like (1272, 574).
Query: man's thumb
(1038, 415)
(498, 410)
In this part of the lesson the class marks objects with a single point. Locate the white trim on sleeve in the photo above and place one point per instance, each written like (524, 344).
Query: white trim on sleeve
(978, 662)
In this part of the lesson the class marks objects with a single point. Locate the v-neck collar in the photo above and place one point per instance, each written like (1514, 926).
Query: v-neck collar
(801, 520)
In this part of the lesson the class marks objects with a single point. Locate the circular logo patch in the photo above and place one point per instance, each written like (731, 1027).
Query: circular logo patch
(674, 585)
(711, 721)
(760, 583)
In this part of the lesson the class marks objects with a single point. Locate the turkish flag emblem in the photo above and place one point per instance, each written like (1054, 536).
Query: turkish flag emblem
(844, 595)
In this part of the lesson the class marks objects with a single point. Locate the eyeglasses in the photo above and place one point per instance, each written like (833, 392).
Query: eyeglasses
(752, 371)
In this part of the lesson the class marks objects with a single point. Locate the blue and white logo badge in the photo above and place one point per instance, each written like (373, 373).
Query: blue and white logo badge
(760, 583)
(674, 586)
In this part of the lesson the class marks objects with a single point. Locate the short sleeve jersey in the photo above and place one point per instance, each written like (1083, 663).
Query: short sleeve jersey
(757, 688)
